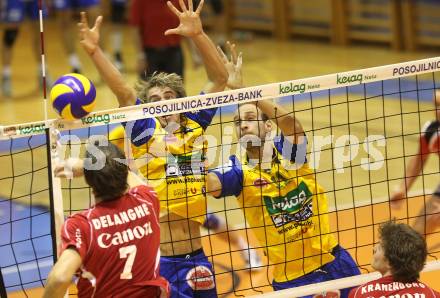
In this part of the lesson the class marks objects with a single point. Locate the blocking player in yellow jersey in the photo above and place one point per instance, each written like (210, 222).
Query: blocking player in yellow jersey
(169, 152)
(283, 203)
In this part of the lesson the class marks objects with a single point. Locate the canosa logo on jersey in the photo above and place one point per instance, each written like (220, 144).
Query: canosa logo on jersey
(291, 202)
(295, 206)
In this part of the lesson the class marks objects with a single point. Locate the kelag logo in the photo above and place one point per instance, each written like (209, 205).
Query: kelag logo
(25, 130)
(349, 79)
(105, 118)
(301, 88)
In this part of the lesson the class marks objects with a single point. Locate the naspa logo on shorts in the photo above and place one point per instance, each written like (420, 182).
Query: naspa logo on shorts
(200, 278)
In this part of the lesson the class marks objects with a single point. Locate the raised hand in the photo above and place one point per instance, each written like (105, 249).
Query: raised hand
(70, 168)
(233, 66)
(89, 38)
(190, 23)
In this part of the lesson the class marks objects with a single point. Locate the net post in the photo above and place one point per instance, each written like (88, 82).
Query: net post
(2, 286)
(55, 192)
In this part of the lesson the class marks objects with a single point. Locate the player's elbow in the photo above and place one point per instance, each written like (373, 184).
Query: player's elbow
(126, 96)
(213, 185)
(59, 279)
(220, 80)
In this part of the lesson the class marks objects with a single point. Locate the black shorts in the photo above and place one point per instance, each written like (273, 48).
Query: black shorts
(169, 60)
(117, 12)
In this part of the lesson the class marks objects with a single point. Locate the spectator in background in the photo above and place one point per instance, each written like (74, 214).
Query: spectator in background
(12, 15)
(66, 12)
(399, 256)
(118, 12)
(157, 52)
(218, 29)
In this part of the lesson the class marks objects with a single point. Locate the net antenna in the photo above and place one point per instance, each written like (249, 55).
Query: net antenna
(53, 157)
(43, 58)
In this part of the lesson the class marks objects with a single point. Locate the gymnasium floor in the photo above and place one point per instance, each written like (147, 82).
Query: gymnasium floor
(265, 61)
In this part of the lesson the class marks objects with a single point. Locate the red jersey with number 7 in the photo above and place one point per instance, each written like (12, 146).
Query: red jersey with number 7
(118, 242)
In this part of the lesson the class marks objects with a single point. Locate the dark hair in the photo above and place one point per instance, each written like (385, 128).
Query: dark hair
(110, 182)
(405, 249)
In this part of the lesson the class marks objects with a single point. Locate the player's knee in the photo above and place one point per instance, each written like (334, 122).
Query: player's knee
(9, 37)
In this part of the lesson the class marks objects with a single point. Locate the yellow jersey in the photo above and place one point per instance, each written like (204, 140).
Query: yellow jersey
(286, 209)
(173, 163)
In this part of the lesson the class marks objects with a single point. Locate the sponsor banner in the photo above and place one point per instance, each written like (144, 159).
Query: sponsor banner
(232, 97)
(29, 129)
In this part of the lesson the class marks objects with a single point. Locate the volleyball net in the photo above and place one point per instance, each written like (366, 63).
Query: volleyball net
(362, 128)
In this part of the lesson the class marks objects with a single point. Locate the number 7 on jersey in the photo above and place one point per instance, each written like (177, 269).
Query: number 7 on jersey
(128, 252)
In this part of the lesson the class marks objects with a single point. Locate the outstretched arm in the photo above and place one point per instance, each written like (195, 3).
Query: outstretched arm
(283, 119)
(74, 167)
(413, 170)
(61, 274)
(89, 37)
(191, 26)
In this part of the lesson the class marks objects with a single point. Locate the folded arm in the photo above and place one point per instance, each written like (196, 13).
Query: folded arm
(285, 120)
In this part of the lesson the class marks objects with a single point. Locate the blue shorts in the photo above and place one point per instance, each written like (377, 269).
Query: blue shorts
(73, 4)
(15, 11)
(189, 275)
(342, 266)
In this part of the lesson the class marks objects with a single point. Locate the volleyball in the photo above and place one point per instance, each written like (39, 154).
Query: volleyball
(73, 96)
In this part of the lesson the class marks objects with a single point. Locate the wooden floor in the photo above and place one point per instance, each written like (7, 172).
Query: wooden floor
(265, 61)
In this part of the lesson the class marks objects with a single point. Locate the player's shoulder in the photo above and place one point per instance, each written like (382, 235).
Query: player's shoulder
(430, 126)
(78, 219)
(144, 191)
(430, 130)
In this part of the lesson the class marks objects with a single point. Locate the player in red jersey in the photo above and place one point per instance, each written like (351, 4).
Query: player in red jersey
(429, 143)
(114, 245)
(399, 256)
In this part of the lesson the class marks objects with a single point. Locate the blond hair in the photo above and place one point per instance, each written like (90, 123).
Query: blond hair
(161, 80)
